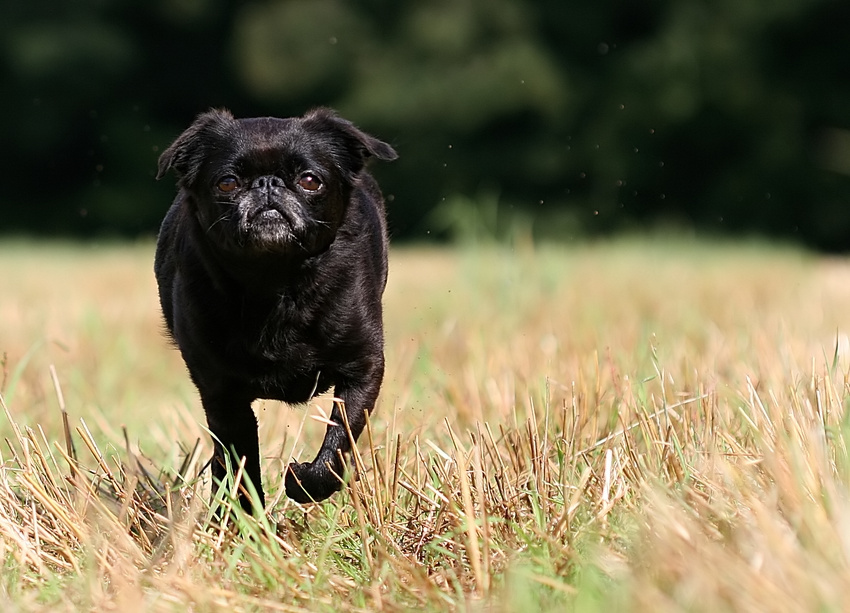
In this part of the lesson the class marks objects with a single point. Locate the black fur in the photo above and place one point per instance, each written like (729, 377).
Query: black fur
(269, 289)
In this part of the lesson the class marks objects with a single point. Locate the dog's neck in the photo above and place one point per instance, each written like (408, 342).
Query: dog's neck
(258, 273)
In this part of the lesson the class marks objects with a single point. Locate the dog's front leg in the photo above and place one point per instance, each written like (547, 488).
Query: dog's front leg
(234, 428)
(314, 481)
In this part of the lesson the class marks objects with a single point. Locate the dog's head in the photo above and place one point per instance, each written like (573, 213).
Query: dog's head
(268, 185)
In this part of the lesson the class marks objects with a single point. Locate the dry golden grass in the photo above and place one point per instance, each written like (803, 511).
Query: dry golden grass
(637, 424)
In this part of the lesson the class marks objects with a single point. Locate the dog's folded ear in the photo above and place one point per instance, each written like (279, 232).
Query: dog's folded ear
(359, 145)
(186, 152)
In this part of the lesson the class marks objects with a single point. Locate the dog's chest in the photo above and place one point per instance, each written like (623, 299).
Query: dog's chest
(277, 347)
(284, 347)
(280, 332)
(268, 353)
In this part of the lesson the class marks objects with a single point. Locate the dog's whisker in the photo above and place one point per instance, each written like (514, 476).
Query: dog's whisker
(219, 220)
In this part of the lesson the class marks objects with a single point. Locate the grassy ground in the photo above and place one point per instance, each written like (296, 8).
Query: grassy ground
(636, 424)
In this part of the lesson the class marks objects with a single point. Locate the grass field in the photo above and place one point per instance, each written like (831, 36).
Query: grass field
(628, 425)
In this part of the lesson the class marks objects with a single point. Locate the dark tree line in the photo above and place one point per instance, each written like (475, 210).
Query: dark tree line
(563, 118)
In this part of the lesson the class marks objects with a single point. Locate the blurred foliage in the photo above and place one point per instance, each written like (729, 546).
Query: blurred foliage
(568, 117)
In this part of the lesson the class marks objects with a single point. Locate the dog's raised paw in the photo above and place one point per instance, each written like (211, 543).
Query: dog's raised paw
(305, 482)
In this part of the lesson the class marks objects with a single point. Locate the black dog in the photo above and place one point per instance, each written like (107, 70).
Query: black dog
(271, 264)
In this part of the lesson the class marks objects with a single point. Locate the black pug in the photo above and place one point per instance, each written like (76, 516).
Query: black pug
(271, 263)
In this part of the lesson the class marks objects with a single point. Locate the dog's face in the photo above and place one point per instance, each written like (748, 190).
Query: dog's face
(268, 185)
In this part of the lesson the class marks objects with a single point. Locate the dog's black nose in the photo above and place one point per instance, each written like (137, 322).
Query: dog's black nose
(266, 182)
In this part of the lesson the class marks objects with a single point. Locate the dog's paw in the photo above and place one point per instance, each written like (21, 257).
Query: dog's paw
(310, 482)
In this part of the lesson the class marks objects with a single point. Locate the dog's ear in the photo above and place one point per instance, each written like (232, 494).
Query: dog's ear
(186, 152)
(358, 145)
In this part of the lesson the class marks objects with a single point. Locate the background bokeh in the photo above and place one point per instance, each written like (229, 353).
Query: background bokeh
(549, 118)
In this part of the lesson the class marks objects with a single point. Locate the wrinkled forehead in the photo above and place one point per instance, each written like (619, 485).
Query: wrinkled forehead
(269, 130)
(265, 143)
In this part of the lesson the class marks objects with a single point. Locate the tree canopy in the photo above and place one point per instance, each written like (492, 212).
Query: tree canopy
(568, 117)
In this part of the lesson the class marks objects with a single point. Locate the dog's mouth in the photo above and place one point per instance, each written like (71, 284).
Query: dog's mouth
(265, 216)
(268, 228)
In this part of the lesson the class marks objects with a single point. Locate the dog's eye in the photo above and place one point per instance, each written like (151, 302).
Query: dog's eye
(227, 184)
(309, 182)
